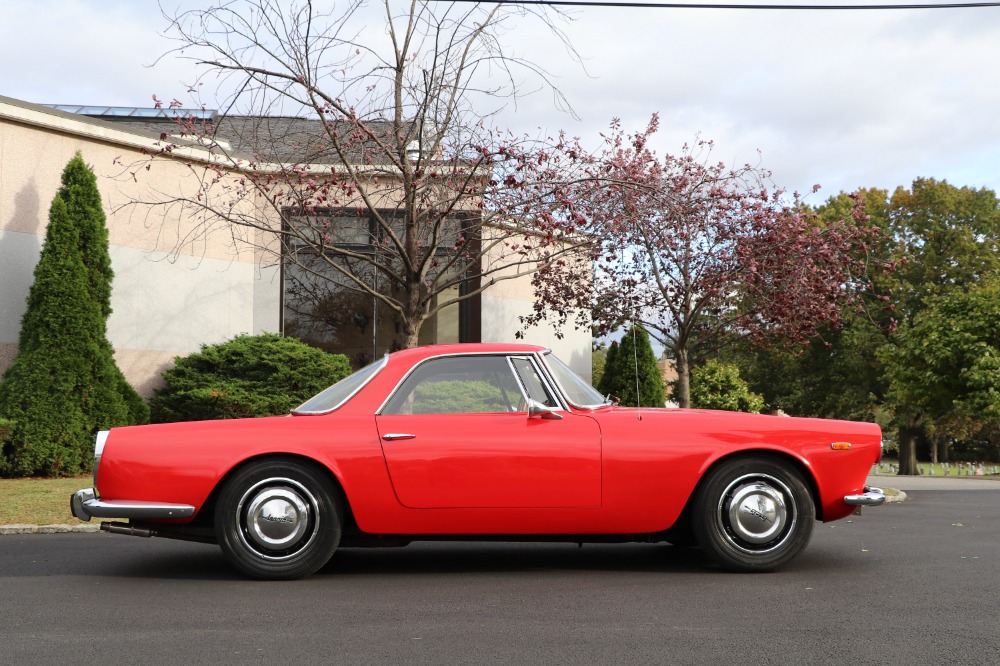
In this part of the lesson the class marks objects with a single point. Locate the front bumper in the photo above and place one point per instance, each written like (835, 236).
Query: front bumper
(871, 497)
(85, 505)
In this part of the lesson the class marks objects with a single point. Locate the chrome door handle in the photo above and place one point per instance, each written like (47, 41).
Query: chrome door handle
(392, 436)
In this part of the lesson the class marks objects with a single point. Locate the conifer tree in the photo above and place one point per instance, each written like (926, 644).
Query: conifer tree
(634, 359)
(609, 369)
(64, 385)
(83, 204)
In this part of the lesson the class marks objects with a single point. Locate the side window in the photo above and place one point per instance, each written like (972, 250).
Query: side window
(532, 382)
(457, 385)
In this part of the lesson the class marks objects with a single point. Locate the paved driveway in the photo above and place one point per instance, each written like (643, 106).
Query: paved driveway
(914, 583)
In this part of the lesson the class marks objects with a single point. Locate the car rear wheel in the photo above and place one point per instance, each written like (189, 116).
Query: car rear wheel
(753, 514)
(278, 519)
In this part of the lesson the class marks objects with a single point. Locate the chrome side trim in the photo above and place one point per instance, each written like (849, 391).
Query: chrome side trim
(85, 505)
(102, 439)
(871, 497)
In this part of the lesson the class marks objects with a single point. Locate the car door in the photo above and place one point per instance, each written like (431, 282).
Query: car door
(457, 433)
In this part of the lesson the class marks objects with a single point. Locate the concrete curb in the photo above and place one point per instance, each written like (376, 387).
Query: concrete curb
(899, 496)
(60, 528)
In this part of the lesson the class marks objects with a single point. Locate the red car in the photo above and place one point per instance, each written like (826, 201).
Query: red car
(487, 442)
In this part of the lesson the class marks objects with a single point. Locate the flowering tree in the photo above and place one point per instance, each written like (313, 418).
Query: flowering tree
(387, 185)
(695, 251)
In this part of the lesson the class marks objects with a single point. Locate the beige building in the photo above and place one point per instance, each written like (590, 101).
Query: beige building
(176, 286)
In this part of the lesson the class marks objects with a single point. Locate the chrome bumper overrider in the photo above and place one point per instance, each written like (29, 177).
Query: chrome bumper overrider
(871, 497)
(85, 505)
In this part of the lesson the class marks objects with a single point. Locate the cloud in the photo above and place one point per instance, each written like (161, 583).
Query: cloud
(846, 99)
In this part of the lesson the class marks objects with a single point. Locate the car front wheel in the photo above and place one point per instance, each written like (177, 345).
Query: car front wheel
(753, 514)
(278, 519)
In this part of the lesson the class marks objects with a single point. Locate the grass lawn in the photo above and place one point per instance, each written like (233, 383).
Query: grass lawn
(39, 501)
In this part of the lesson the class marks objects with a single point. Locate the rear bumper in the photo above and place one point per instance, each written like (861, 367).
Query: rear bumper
(85, 505)
(871, 497)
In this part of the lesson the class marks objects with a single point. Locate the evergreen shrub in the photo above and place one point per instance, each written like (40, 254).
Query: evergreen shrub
(248, 376)
(64, 385)
(458, 397)
(717, 385)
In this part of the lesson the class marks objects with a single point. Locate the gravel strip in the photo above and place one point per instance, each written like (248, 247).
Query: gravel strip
(60, 528)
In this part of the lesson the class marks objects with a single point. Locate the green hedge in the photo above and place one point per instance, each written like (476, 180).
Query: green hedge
(717, 385)
(458, 397)
(248, 376)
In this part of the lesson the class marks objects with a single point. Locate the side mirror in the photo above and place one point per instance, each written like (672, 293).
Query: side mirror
(537, 410)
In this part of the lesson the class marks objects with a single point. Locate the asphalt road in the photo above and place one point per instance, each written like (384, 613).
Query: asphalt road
(911, 583)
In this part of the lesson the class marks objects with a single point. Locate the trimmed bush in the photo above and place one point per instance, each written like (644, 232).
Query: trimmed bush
(64, 385)
(458, 397)
(717, 385)
(248, 376)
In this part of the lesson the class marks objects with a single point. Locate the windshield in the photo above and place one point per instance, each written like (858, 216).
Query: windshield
(577, 391)
(336, 395)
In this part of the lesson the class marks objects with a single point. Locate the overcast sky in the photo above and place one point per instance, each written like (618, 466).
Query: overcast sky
(840, 98)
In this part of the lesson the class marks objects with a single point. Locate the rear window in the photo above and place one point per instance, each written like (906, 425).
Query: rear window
(335, 396)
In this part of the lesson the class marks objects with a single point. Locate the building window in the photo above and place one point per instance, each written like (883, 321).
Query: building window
(323, 307)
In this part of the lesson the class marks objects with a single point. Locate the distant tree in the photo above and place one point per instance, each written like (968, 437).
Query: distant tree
(944, 367)
(634, 364)
(248, 376)
(950, 237)
(936, 241)
(64, 385)
(598, 357)
(717, 385)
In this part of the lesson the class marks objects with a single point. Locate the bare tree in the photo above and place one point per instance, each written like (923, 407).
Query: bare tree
(363, 151)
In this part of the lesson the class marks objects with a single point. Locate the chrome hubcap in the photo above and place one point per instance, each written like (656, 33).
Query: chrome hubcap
(755, 512)
(277, 518)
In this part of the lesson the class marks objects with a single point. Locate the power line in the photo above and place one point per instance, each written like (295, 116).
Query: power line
(706, 5)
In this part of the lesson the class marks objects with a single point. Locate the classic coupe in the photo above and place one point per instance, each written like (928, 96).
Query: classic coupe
(480, 442)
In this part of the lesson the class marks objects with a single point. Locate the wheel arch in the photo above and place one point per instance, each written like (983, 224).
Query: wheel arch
(777, 455)
(208, 508)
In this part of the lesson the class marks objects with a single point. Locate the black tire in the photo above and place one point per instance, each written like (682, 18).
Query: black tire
(278, 519)
(753, 514)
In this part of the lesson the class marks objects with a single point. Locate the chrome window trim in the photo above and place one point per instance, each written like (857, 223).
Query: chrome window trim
(550, 386)
(384, 361)
(562, 391)
(506, 354)
(517, 377)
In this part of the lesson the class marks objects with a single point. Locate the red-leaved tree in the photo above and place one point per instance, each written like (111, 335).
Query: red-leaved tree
(697, 251)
